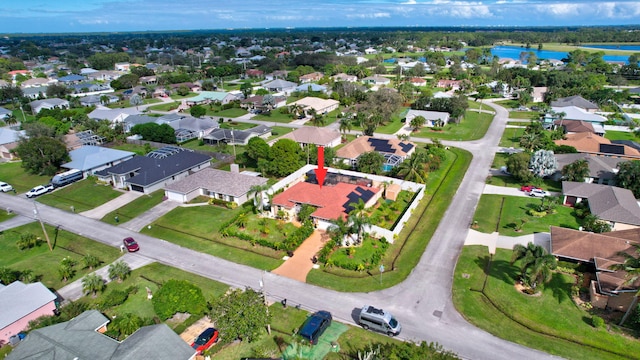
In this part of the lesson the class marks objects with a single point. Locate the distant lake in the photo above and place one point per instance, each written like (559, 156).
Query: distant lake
(513, 52)
(613, 47)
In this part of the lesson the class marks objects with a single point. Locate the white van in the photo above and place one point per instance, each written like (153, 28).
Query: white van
(379, 320)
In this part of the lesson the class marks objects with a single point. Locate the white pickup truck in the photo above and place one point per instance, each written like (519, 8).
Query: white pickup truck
(39, 190)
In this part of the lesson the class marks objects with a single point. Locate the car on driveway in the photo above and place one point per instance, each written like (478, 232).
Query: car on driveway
(4, 187)
(537, 193)
(527, 188)
(130, 244)
(205, 340)
(315, 325)
(39, 190)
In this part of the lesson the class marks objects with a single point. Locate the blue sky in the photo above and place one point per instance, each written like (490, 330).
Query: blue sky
(35, 16)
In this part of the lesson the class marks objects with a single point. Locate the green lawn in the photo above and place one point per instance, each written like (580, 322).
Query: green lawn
(472, 127)
(499, 160)
(533, 115)
(232, 113)
(620, 135)
(402, 256)
(45, 263)
(138, 149)
(134, 208)
(275, 116)
(277, 131)
(235, 125)
(82, 195)
(13, 173)
(501, 213)
(165, 106)
(510, 181)
(391, 127)
(550, 322)
(198, 228)
(511, 137)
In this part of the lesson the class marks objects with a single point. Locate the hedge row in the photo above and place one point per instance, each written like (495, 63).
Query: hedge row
(291, 242)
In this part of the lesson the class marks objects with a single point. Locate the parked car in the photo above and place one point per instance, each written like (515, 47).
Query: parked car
(527, 188)
(4, 187)
(205, 340)
(315, 326)
(130, 244)
(537, 193)
(39, 190)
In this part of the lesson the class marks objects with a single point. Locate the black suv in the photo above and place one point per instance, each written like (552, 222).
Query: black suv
(315, 325)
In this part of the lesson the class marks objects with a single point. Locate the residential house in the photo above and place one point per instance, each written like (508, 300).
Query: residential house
(206, 97)
(122, 66)
(615, 205)
(71, 79)
(83, 337)
(187, 127)
(277, 74)
(254, 73)
(577, 126)
(280, 86)
(90, 159)
(309, 87)
(577, 101)
(34, 93)
(133, 120)
(149, 80)
(449, 84)
(236, 137)
(576, 113)
(344, 77)
(53, 103)
(602, 169)
(370, 51)
(433, 118)
(37, 82)
(314, 76)
(393, 150)
(21, 303)
(416, 81)
(229, 186)
(83, 88)
(155, 170)
(539, 93)
(75, 140)
(14, 73)
(104, 75)
(315, 135)
(257, 102)
(376, 80)
(593, 144)
(94, 100)
(321, 106)
(8, 141)
(113, 115)
(611, 288)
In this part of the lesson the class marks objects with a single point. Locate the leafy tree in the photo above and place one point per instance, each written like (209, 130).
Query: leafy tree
(7, 275)
(518, 166)
(198, 111)
(93, 283)
(536, 265)
(141, 71)
(413, 168)
(246, 89)
(240, 315)
(257, 148)
(126, 324)
(628, 176)
(417, 122)
(576, 171)
(42, 155)
(128, 81)
(135, 100)
(155, 132)
(371, 162)
(285, 157)
(383, 103)
(594, 224)
(329, 155)
(543, 163)
(57, 91)
(119, 270)
(178, 296)
(183, 90)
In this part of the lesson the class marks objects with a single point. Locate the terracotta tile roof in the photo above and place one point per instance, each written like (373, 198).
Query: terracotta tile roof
(588, 142)
(363, 145)
(575, 126)
(332, 200)
(609, 203)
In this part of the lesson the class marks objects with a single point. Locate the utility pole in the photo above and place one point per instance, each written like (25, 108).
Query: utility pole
(264, 296)
(37, 215)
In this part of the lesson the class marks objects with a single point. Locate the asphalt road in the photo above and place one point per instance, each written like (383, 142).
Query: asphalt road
(422, 303)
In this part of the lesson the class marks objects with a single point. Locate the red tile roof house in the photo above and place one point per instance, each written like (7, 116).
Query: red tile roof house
(449, 84)
(21, 303)
(418, 81)
(314, 76)
(610, 289)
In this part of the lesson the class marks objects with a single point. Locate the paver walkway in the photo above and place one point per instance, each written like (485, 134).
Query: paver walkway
(298, 266)
(102, 210)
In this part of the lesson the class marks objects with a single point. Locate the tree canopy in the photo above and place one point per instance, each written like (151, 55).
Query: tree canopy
(42, 155)
(178, 296)
(628, 176)
(240, 315)
(285, 156)
(155, 132)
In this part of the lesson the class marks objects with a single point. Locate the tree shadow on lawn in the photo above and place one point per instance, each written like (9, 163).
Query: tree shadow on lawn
(499, 269)
(560, 287)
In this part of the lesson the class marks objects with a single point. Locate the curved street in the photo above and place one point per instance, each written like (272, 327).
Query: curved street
(422, 302)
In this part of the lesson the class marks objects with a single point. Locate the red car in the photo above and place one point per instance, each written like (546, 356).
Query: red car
(205, 340)
(528, 188)
(131, 244)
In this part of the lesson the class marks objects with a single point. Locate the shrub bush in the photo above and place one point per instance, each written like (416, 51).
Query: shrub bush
(114, 298)
(178, 296)
(597, 322)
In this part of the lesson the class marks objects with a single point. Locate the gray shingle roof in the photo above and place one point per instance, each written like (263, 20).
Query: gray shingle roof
(218, 181)
(18, 300)
(609, 203)
(575, 100)
(89, 157)
(600, 167)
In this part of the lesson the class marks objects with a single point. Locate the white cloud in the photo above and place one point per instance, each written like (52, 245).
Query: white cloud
(369, 16)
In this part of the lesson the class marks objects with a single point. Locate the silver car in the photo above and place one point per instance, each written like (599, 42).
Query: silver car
(4, 187)
(538, 193)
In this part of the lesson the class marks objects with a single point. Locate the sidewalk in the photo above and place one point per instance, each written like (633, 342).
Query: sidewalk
(73, 291)
(150, 215)
(102, 210)
(496, 241)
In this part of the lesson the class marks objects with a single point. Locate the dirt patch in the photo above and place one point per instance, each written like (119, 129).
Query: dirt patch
(525, 290)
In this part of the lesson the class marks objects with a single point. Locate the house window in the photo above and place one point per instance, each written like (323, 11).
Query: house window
(220, 196)
(231, 198)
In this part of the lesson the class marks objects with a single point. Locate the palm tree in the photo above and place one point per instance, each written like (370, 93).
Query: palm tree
(104, 99)
(66, 270)
(576, 171)
(345, 125)
(358, 218)
(536, 265)
(339, 229)
(297, 110)
(316, 119)
(119, 270)
(127, 324)
(413, 169)
(256, 192)
(91, 261)
(7, 275)
(27, 276)
(631, 266)
(242, 220)
(11, 120)
(92, 283)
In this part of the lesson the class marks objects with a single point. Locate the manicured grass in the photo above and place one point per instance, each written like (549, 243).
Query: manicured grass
(550, 322)
(620, 135)
(237, 125)
(511, 137)
(180, 97)
(275, 116)
(391, 127)
(518, 123)
(499, 160)
(533, 115)
(402, 256)
(138, 149)
(277, 131)
(164, 106)
(232, 113)
(13, 173)
(45, 263)
(508, 104)
(4, 215)
(134, 208)
(198, 228)
(82, 195)
(501, 213)
(510, 181)
(273, 230)
(472, 127)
